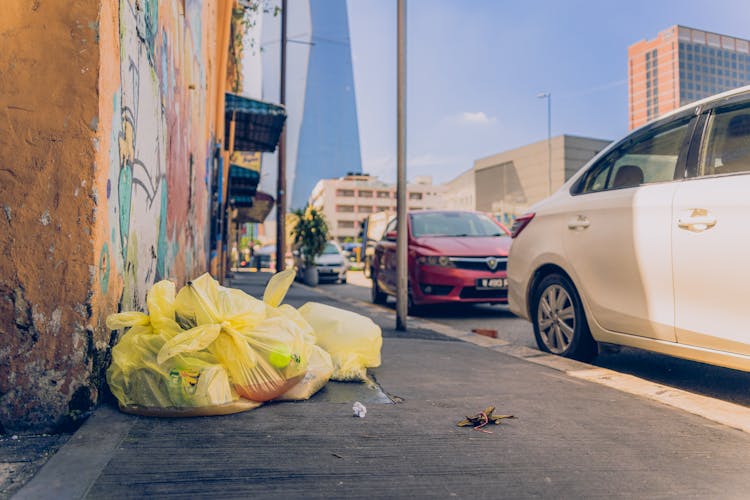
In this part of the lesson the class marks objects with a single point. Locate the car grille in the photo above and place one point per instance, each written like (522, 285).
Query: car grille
(470, 292)
(480, 263)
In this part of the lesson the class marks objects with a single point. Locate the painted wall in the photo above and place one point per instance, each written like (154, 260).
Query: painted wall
(109, 114)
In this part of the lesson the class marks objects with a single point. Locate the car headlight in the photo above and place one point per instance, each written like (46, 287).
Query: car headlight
(435, 260)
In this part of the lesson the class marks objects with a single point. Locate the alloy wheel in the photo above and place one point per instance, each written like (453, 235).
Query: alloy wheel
(556, 318)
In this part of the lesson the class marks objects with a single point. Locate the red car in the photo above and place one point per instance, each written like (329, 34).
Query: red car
(454, 256)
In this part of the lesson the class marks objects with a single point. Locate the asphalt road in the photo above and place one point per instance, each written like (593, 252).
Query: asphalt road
(720, 383)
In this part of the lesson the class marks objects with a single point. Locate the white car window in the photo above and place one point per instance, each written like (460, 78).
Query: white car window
(727, 146)
(651, 157)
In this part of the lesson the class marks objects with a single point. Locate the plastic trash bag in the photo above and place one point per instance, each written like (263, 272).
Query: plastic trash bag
(277, 287)
(319, 371)
(264, 356)
(138, 380)
(353, 341)
(204, 302)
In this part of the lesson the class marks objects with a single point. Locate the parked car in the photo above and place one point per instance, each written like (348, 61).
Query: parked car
(264, 257)
(350, 251)
(453, 256)
(332, 265)
(647, 245)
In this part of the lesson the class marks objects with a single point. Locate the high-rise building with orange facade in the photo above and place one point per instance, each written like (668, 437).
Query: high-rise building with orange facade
(682, 65)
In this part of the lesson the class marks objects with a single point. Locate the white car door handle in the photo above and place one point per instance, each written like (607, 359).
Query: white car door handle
(697, 224)
(579, 223)
(698, 220)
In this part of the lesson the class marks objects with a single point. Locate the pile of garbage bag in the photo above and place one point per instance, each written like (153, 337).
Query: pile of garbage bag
(211, 350)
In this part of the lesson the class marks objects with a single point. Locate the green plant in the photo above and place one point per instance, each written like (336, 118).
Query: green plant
(310, 233)
(244, 20)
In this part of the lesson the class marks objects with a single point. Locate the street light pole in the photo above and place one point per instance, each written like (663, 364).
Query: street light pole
(281, 178)
(402, 280)
(548, 96)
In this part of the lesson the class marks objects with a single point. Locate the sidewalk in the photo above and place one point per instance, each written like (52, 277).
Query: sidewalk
(570, 439)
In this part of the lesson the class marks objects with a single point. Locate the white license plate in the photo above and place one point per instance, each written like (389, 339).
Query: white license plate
(492, 283)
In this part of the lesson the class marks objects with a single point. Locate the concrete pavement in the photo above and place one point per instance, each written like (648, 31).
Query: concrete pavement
(571, 438)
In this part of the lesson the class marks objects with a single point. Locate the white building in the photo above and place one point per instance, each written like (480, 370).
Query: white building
(460, 193)
(346, 201)
(508, 183)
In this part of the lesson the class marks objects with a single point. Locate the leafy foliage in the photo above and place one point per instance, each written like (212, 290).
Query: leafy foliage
(310, 233)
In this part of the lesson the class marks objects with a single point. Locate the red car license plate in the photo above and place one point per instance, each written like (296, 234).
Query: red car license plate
(492, 283)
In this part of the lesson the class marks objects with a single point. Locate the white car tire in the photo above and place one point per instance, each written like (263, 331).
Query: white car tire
(559, 320)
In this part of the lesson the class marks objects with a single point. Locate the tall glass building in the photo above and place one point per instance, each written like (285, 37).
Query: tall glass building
(329, 135)
(682, 65)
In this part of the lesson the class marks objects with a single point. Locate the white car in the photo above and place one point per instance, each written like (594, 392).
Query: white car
(332, 264)
(647, 245)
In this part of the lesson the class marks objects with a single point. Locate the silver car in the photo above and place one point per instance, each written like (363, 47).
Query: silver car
(332, 265)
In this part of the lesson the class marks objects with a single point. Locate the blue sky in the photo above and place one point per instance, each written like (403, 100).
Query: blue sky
(474, 70)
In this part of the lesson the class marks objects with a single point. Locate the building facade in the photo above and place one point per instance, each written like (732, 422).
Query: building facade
(348, 200)
(682, 65)
(115, 116)
(460, 192)
(508, 183)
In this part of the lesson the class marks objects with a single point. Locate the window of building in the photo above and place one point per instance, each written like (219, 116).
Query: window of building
(365, 193)
(415, 196)
(345, 209)
(345, 192)
(365, 209)
(345, 224)
(384, 194)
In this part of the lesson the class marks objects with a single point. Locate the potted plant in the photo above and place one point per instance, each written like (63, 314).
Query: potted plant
(309, 237)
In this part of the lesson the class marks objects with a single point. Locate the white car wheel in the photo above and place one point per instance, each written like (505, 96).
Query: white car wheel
(559, 321)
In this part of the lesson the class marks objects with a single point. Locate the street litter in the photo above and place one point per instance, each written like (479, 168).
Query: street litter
(359, 410)
(483, 418)
(213, 350)
(487, 332)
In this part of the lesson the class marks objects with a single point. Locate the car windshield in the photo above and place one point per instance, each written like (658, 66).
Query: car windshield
(330, 249)
(457, 224)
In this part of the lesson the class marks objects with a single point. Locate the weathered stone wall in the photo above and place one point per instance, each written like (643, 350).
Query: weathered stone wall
(106, 138)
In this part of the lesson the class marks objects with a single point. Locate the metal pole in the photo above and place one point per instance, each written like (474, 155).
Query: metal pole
(549, 144)
(401, 241)
(548, 96)
(281, 178)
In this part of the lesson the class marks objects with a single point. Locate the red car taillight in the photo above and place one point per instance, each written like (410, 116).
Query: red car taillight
(520, 224)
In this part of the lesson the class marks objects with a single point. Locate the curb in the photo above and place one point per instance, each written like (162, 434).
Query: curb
(83, 457)
(722, 412)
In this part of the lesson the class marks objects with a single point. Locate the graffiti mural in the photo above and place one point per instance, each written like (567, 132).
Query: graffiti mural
(157, 200)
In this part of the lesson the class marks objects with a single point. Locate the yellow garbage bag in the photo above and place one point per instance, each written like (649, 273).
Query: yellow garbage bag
(264, 356)
(138, 379)
(353, 341)
(277, 287)
(203, 301)
(319, 371)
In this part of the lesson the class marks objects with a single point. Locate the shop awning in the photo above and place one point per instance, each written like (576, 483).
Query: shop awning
(244, 175)
(257, 124)
(261, 207)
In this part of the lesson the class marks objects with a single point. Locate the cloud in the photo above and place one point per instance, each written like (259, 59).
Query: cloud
(480, 117)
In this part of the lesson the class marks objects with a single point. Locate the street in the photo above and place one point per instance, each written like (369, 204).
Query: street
(712, 381)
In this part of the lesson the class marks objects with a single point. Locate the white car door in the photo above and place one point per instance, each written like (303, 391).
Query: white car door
(618, 237)
(711, 240)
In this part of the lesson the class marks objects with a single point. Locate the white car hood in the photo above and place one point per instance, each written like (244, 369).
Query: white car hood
(329, 260)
